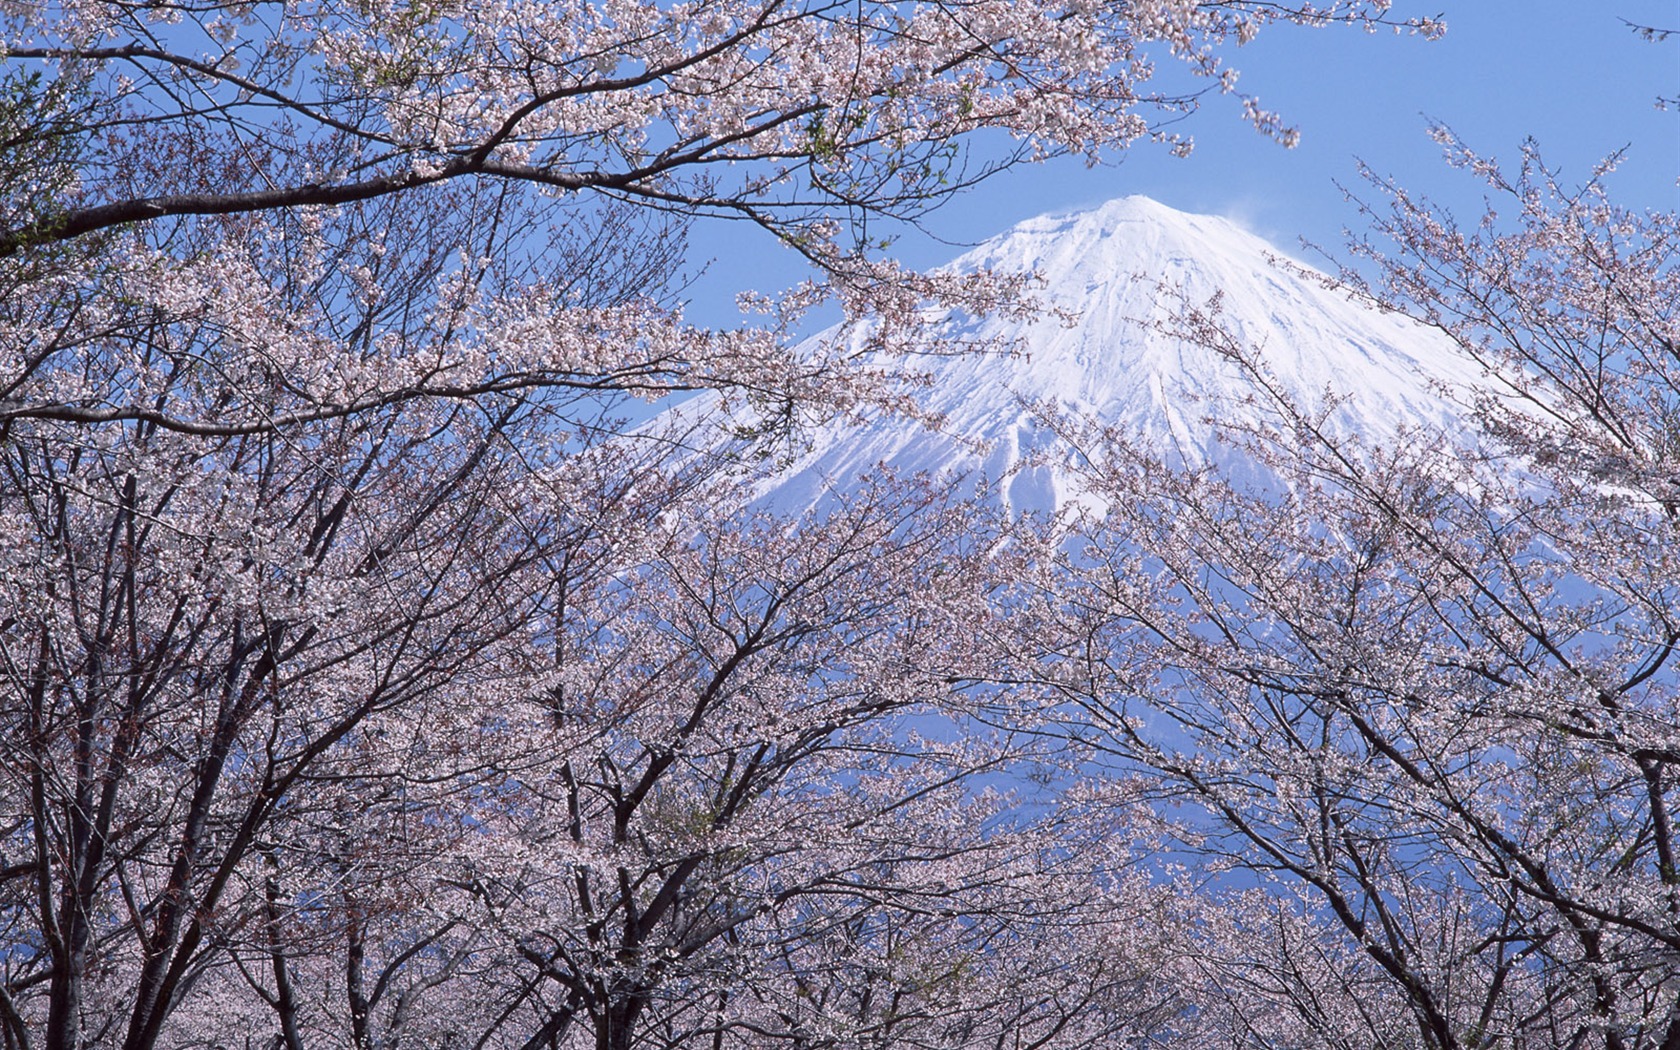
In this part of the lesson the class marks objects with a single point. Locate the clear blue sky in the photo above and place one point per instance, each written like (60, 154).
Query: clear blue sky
(1568, 73)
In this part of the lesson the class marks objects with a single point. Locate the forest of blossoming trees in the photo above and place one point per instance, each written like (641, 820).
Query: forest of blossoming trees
(367, 680)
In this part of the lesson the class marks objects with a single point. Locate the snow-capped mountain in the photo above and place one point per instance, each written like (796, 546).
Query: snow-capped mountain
(1107, 266)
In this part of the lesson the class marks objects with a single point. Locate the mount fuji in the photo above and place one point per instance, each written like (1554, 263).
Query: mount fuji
(1109, 268)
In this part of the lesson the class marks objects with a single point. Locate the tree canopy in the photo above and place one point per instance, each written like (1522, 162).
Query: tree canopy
(374, 673)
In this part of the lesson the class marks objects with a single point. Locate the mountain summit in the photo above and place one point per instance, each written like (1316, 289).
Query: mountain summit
(1111, 268)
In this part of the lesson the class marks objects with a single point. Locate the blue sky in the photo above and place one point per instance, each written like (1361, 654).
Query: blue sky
(1568, 73)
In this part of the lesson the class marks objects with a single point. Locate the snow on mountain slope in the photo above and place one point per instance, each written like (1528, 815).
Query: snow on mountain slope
(1107, 266)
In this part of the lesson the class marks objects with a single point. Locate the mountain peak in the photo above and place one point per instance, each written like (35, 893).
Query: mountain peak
(1110, 236)
(1101, 219)
(1123, 269)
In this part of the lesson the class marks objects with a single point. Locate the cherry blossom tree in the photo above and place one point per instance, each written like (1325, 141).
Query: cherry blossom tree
(200, 620)
(132, 126)
(367, 678)
(789, 115)
(563, 761)
(1422, 698)
(765, 824)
